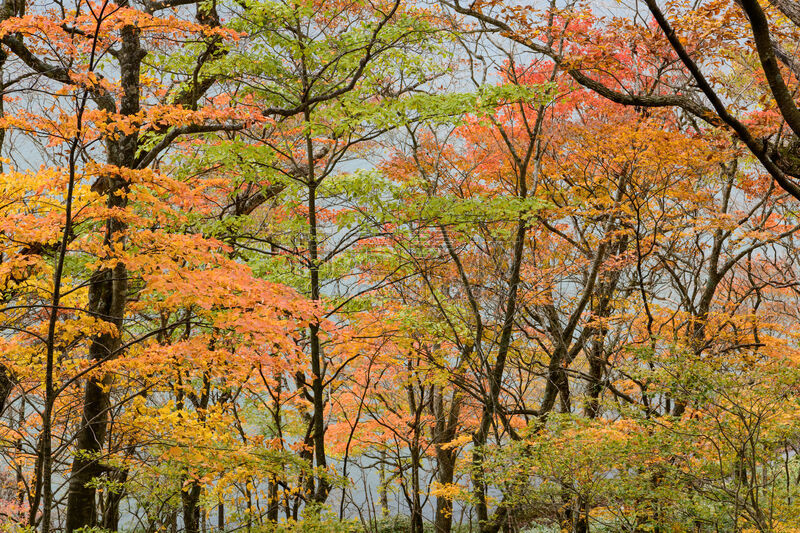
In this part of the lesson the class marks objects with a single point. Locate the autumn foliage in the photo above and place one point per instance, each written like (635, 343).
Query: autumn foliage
(380, 266)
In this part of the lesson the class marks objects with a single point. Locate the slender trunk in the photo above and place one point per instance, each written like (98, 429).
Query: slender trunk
(22, 492)
(497, 370)
(306, 479)
(45, 449)
(383, 485)
(273, 495)
(113, 499)
(317, 366)
(479, 438)
(416, 456)
(416, 504)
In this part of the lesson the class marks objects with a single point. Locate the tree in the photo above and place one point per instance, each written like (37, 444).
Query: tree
(343, 69)
(711, 33)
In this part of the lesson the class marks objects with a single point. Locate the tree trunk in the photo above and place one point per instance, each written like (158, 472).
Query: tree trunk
(443, 522)
(190, 500)
(107, 298)
(111, 512)
(317, 364)
(445, 431)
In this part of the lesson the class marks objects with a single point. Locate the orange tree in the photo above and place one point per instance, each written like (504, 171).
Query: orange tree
(642, 235)
(78, 252)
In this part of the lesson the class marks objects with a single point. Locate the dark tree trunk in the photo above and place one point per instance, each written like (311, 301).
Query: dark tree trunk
(190, 500)
(445, 431)
(107, 298)
(113, 499)
(6, 386)
(443, 521)
(317, 363)
(479, 438)
(273, 501)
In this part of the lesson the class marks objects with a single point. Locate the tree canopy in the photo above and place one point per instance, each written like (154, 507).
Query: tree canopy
(382, 265)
